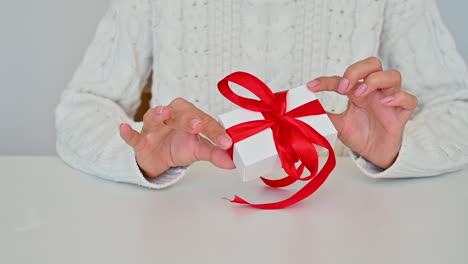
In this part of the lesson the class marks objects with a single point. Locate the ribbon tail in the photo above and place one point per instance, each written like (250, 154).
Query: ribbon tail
(303, 193)
(238, 200)
(286, 181)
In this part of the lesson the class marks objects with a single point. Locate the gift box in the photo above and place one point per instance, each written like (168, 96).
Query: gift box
(257, 155)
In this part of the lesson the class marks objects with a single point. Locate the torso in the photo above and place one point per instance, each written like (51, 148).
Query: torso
(285, 43)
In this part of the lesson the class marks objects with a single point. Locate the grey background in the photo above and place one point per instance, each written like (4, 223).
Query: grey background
(42, 43)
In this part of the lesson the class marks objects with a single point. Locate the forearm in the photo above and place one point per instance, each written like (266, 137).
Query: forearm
(88, 139)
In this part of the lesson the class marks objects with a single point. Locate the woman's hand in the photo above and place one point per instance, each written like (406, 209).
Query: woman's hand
(377, 112)
(170, 137)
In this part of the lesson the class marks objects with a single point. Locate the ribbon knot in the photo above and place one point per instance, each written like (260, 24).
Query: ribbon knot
(274, 116)
(294, 140)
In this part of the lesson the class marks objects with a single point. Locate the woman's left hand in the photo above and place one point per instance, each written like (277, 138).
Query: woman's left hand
(377, 111)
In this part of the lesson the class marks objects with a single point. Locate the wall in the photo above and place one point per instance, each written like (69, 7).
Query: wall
(42, 43)
(454, 14)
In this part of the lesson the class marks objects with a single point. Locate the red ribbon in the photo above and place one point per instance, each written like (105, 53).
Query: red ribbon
(294, 139)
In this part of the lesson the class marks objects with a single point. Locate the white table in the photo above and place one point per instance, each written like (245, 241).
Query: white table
(51, 213)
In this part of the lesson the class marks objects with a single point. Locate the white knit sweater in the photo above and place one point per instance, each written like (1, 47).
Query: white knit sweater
(190, 45)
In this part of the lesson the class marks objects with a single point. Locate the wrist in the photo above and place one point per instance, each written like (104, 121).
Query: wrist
(381, 160)
(154, 170)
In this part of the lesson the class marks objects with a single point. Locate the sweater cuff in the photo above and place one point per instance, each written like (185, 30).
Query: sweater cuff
(401, 168)
(135, 176)
(164, 180)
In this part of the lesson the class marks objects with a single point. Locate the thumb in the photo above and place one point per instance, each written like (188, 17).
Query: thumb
(132, 137)
(208, 152)
(221, 159)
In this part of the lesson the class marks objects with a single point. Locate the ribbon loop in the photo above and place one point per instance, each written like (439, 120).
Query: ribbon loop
(294, 140)
(267, 100)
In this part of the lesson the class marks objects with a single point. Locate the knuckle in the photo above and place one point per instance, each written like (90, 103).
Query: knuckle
(375, 61)
(372, 81)
(148, 113)
(179, 101)
(352, 72)
(396, 74)
(333, 79)
(323, 80)
(211, 125)
(207, 119)
(145, 116)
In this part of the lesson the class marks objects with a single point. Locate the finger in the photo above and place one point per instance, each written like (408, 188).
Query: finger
(324, 84)
(358, 71)
(328, 84)
(208, 152)
(401, 99)
(185, 116)
(390, 81)
(406, 102)
(132, 137)
(154, 117)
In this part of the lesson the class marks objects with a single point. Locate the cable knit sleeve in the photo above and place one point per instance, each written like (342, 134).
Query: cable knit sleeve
(416, 42)
(105, 92)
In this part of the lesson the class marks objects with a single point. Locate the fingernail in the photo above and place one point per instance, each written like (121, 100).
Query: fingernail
(160, 110)
(224, 142)
(343, 86)
(313, 83)
(194, 123)
(387, 100)
(361, 89)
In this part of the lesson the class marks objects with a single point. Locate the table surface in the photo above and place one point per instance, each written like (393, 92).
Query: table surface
(51, 213)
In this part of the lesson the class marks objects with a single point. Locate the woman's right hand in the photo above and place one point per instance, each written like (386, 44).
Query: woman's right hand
(170, 138)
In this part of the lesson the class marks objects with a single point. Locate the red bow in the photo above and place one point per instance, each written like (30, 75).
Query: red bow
(294, 139)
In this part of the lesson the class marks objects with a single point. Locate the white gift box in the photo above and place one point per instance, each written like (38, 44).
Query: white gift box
(257, 156)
